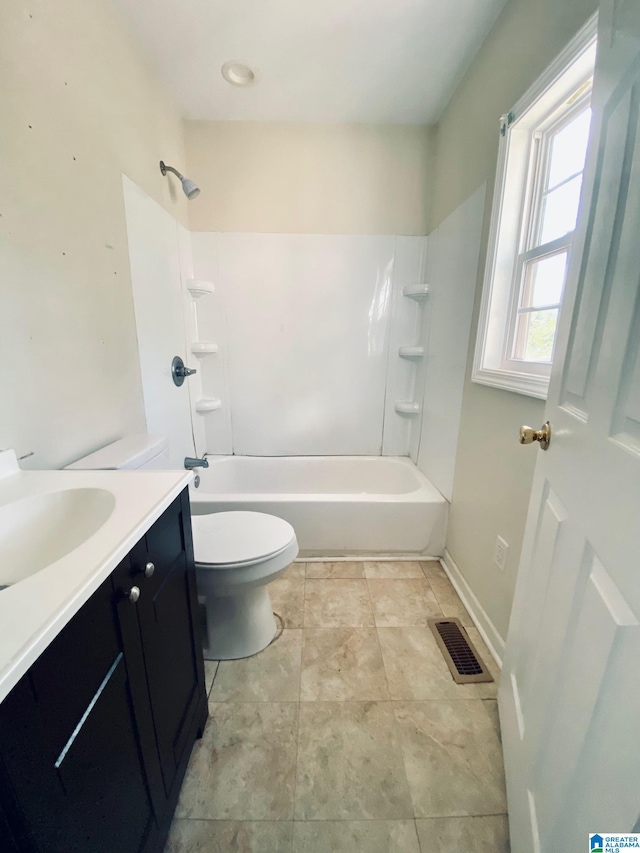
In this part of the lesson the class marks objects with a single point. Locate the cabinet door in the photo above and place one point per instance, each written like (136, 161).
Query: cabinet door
(8, 843)
(70, 747)
(167, 613)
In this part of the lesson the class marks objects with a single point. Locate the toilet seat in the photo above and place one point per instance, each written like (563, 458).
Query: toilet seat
(232, 540)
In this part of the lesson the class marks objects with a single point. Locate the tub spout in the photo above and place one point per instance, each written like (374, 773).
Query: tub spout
(191, 462)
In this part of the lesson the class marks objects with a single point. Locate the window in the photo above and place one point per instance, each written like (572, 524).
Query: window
(541, 160)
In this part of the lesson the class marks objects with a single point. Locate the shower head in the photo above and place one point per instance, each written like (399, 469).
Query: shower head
(191, 189)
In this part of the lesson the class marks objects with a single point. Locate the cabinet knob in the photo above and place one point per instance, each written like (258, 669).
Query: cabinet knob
(149, 569)
(134, 594)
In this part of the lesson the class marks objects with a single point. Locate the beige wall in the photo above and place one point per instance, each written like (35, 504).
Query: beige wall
(78, 107)
(310, 178)
(493, 472)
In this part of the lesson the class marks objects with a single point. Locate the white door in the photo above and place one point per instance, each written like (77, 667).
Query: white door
(154, 257)
(570, 689)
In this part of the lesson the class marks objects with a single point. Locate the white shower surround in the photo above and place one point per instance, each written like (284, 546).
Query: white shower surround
(452, 270)
(337, 505)
(309, 327)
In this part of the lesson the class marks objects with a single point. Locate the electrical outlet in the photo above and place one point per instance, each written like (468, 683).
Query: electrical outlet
(500, 554)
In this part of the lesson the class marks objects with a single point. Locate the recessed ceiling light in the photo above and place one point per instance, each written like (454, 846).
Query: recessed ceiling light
(239, 73)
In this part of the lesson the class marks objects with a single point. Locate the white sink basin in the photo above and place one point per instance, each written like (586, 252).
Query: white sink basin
(37, 531)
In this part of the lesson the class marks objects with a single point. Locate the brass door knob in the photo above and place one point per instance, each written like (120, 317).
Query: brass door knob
(543, 435)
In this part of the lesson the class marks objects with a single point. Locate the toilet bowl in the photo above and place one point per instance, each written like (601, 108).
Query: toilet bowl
(237, 555)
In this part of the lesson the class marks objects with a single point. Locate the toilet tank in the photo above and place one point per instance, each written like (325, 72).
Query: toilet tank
(147, 452)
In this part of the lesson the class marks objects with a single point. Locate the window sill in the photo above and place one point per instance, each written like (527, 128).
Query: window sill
(518, 383)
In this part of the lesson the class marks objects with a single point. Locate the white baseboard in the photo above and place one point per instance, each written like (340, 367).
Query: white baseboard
(374, 557)
(485, 626)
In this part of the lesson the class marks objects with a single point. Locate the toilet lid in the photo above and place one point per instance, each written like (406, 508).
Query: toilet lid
(239, 537)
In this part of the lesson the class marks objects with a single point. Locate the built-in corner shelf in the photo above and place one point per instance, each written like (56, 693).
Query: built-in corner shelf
(208, 404)
(411, 352)
(198, 288)
(201, 349)
(407, 407)
(419, 292)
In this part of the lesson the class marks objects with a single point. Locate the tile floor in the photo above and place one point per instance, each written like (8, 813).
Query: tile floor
(348, 734)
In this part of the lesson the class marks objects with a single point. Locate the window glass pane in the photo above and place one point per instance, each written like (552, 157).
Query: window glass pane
(560, 210)
(535, 335)
(568, 149)
(544, 281)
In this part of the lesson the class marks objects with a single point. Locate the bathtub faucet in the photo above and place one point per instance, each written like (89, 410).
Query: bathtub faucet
(191, 462)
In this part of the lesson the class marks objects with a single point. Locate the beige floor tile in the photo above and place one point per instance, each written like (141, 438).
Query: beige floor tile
(273, 675)
(415, 667)
(295, 570)
(222, 836)
(432, 568)
(491, 707)
(340, 569)
(449, 601)
(349, 763)
(342, 664)
(393, 569)
(485, 690)
(453, 758)
(287, 597)
(402, 603)
(465, 834)
(210, 669)
(244, 766)
(355, 836)
(337, 603)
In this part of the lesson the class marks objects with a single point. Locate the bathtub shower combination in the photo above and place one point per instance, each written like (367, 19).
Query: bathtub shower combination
(330, 371)
(337, 505)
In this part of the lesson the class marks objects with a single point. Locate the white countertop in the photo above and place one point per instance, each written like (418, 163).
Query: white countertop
(33, 611)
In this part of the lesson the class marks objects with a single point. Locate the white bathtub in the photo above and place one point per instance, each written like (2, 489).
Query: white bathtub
(336, 504)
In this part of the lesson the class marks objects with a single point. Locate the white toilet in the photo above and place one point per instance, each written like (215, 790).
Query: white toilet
(237, 554)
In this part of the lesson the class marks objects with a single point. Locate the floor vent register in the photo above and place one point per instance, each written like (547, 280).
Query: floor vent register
(463, 660)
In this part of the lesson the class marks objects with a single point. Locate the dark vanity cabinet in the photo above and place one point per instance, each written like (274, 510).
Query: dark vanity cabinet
(95, 738)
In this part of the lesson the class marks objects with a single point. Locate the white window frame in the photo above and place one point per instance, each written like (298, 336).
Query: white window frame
(522, 131)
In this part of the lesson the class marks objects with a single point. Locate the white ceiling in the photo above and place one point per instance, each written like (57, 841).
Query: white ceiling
(326, 61)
